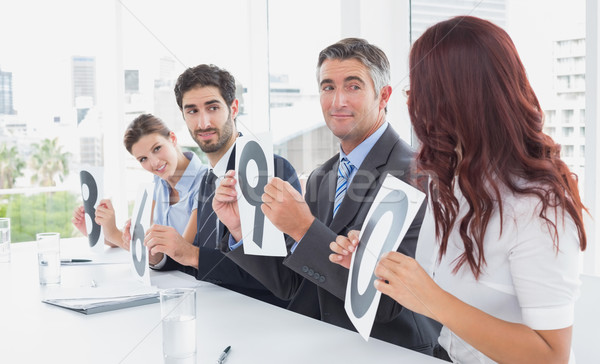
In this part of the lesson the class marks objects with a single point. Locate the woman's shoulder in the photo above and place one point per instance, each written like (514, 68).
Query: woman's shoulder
(529, 212)
(196, 164)
(195, 169)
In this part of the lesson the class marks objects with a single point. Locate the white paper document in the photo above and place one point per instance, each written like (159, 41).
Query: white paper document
(110, 297)
(388, 220)
(254, 161)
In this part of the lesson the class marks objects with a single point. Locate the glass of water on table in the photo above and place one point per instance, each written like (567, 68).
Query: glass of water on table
(4, 240)
(48, 247)
(178, 312)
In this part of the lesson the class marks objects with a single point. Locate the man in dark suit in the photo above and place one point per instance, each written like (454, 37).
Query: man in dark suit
(354, 79)
(206, 96)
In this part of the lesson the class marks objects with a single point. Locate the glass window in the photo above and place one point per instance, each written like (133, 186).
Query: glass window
(119, 59)
(567, 116)
(568, 151)
(299, 132)
(567, 132)
(297, 123)
(115, 60)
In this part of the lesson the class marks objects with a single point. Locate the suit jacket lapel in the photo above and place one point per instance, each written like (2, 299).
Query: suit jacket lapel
(220, 227)
(326, 194)
(231, 161)
(364, 185)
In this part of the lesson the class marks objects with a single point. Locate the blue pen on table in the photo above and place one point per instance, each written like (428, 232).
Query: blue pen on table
(223, 356)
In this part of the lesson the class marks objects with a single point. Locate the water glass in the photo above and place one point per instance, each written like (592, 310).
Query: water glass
(178, 311)
(48, 245)
(4, 240)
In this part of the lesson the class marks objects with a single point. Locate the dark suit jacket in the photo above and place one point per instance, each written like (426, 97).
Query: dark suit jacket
(316, 286)
(213, 267)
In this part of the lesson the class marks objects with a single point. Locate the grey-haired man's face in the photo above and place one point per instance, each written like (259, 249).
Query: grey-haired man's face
(347, 98)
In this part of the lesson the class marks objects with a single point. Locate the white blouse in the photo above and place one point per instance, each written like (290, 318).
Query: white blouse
(525, 280)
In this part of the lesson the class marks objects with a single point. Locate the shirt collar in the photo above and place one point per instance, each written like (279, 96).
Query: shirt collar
(358, 154)
(220, 167)
(189, 175)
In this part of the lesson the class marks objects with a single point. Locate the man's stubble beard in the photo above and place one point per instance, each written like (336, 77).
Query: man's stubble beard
(223, 137)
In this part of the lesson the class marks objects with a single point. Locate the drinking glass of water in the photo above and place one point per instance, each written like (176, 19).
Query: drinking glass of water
(178, 311)
(4, 240)
(48, 245)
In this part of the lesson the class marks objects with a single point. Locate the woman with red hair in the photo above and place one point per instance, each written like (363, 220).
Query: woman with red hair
(506, 209)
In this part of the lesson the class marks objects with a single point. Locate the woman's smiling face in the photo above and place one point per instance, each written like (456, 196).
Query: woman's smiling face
(157, 154)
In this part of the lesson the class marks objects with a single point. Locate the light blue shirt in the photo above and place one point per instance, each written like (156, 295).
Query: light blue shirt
(178, 215)
(358, 154)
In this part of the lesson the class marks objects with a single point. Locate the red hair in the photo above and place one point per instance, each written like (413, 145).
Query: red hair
(477, 117)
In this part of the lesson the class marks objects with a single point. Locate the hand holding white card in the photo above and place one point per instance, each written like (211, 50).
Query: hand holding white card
(91, 193)
(388, 220)
(140, 222)
(254, 161)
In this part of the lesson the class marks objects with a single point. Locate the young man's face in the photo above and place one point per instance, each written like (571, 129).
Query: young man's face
(351, 107)
(208, 118)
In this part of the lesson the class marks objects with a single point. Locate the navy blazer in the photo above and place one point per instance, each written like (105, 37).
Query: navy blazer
(212, 265)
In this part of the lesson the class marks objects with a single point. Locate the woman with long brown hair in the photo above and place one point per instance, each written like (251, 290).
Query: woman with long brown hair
(507, 210)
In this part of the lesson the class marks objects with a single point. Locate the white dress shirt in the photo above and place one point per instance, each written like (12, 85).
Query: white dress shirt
(525, 280)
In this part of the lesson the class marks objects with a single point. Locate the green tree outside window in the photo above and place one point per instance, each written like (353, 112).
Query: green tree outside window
(11, 166)
(48, 162)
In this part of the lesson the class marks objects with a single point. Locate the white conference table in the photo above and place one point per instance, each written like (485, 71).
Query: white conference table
(34, 332)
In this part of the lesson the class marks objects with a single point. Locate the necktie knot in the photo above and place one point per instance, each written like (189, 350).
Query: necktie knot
(345, 168)
(211, 177)
(208, 187)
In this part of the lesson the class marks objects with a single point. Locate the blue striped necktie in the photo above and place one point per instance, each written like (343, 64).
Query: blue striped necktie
(344, 171)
